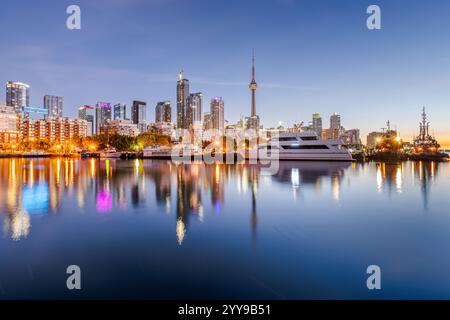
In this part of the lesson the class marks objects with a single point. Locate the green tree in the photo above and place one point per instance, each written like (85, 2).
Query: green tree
(150, 138)
(122, 143)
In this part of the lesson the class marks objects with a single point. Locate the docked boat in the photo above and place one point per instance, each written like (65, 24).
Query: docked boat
(178, 151)
(157, 152)
(389, 147)
(110, 153)
(425, 146)
(35, 154)
(303, 146)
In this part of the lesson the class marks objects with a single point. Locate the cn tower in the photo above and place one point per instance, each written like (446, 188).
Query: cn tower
(253, 86)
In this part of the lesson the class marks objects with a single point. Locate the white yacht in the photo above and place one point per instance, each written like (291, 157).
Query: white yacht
(157, 152)
(110, 153)
(179, 150)
(304, 146)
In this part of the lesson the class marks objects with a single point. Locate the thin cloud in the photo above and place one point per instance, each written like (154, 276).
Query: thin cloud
(261, 85)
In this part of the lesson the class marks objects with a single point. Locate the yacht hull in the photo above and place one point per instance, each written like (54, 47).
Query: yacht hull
(308, 157)
(110, 156)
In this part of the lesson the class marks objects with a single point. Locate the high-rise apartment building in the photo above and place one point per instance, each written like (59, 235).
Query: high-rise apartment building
(163, 112)
(317, 124)
(84, 113)
(120, 111)
(90, 122)
(194, 110)
(207, 121)
(54, 106)
(17, 95)
(102, 115)
(139, 115)
(182, 101)
(218, 114)
(335, 126)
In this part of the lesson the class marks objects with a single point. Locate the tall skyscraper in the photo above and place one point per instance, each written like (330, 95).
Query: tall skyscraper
(54, 105)
(194, 110)
(139, 115)
(335, 126)
(218, 114)
(207, 121)
(253, 120)
(84, 113)
(102, 115)
(17, 95)
(317, 124)
(163, 112)
(90, 121)
(182, 101)
(120, 111)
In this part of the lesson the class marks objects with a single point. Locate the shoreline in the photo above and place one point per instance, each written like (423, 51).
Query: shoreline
(48, 156)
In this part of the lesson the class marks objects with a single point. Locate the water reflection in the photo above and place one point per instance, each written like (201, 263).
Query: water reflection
(391, 177)
(426, 173)
(300, 174)
(39, 187)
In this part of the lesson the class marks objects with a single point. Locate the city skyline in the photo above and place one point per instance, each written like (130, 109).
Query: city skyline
(182, 153)
(328, 62)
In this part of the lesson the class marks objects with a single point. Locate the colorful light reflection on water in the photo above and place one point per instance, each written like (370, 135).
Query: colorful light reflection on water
(196, 231)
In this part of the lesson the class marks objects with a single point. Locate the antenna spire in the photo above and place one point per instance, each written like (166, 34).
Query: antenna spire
(253, 65)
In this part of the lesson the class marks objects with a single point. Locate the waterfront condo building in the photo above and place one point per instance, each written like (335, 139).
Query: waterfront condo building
(9, 124)
(120, 127)
(53, 130)
(163, 128)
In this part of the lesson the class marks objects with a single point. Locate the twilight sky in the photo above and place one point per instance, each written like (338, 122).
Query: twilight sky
(311, 56)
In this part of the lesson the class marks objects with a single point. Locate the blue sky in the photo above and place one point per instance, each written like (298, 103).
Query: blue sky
(311, 55)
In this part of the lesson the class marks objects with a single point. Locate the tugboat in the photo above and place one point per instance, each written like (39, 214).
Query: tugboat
(389, 146)
(426, 147)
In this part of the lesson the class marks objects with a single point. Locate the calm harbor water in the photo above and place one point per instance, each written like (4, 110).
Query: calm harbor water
(155, 229)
